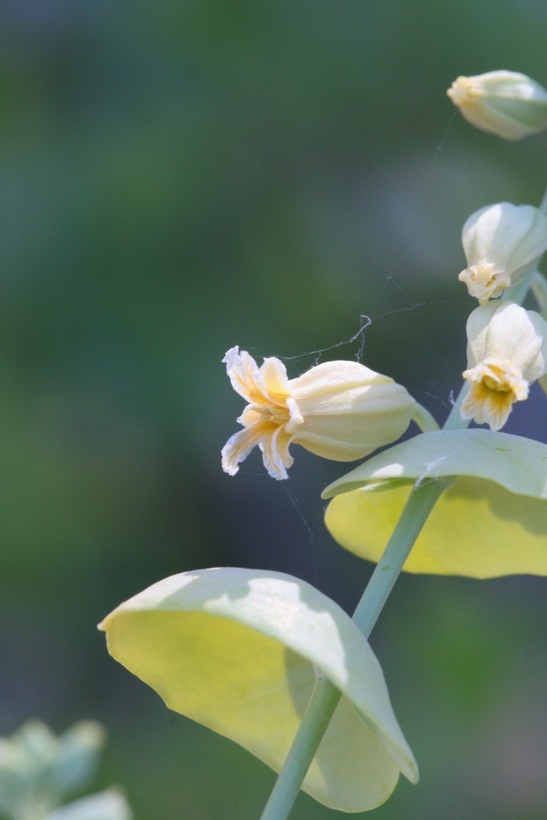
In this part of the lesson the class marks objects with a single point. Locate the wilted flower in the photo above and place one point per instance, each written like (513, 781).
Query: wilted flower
(338, 410)
(506, 352)
(503, 243)
(504, 103)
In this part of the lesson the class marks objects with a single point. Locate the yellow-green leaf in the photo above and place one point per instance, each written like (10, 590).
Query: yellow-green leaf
(237, 649)
(492, 521)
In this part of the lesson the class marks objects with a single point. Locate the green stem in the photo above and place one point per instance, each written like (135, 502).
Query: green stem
(321, 706)
(539, 289)
(416, 512)
(424, 419)
(325, 696)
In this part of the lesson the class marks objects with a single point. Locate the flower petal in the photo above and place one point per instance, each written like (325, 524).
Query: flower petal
(242, 371)
(275, 454)
(238, 447)
(274, 379)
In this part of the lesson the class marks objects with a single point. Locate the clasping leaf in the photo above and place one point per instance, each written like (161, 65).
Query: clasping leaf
(238, 650)
(492, 520)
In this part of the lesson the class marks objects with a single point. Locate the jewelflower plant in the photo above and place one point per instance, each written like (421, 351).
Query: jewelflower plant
(268, 660)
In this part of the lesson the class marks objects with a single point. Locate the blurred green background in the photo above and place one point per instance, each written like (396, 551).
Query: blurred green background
(182, 176)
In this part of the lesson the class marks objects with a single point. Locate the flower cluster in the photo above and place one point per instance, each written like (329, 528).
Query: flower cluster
(344, 411)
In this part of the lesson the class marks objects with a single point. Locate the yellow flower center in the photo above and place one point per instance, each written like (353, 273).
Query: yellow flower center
(274, 414)
(494, 388)
(497, 386)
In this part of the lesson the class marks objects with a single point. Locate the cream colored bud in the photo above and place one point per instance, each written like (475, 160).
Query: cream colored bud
(504, 103)
(338, 410)
(503, 243)
(506, 352)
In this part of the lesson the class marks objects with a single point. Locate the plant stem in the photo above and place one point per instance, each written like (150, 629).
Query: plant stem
(321, 706)
(424, 419)
(539, 289)
(325, 696)
(416, 512)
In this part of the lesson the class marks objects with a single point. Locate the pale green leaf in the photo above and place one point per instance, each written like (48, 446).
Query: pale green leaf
(492, 521)
(235, 650)
(518, 464)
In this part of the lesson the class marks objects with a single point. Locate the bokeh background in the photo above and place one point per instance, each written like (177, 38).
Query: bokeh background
(179, 177)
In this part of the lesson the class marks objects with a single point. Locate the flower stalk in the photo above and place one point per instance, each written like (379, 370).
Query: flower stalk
(325, 696)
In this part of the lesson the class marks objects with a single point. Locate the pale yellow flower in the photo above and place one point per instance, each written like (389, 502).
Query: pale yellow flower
(506, 352)
(338, 410)
(505, 103)
(503, 243)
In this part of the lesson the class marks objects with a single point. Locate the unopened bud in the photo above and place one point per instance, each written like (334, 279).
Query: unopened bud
(504, 103)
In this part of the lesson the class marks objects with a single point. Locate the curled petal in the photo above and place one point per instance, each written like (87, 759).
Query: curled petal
(242, 371)
(275, 454)
(238, 447)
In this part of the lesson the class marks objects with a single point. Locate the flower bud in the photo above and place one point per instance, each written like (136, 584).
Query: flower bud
(503, 243)
(506, 352)
(338, 410)
(504, 103)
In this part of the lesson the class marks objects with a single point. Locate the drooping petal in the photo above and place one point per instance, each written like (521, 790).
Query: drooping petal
(238, 447)
(275, 453)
